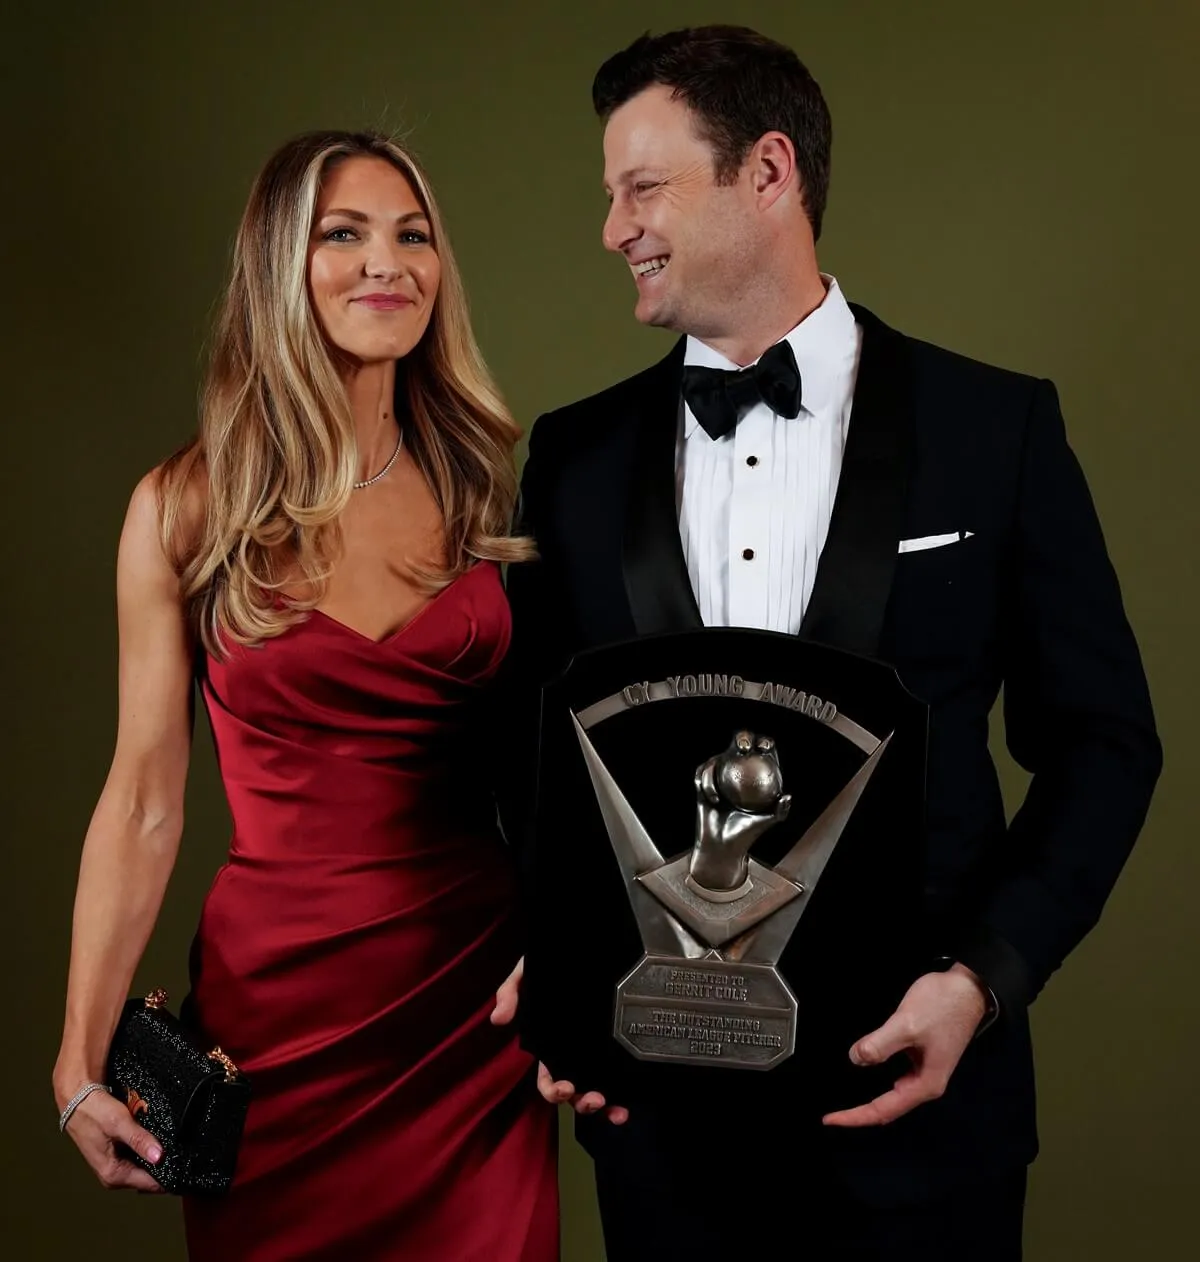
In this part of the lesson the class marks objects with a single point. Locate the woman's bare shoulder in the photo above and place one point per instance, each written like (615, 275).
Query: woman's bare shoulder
(169, 503)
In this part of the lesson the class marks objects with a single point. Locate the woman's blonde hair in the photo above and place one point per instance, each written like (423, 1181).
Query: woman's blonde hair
(276, 454)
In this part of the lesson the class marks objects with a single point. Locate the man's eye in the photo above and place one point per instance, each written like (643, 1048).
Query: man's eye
(645, 186)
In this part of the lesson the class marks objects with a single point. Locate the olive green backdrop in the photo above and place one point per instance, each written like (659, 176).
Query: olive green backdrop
(1014, 180)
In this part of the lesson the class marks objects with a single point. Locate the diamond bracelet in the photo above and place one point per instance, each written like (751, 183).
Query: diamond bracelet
(77, 1099)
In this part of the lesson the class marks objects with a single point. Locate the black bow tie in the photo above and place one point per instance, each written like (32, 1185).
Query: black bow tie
(719, 396)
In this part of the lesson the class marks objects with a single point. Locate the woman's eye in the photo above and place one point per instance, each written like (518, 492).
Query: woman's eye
(339, 234)
(413, 236)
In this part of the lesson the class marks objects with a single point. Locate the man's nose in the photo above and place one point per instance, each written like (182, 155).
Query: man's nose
(620, 228)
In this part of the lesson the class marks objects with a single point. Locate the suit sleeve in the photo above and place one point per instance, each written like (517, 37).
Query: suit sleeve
(538, 650)
(1077, 716)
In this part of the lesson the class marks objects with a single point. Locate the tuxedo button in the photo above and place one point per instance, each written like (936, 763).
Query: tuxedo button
(747, 554)
(752, 461)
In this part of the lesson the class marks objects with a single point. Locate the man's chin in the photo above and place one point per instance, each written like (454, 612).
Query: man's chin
(655, 315)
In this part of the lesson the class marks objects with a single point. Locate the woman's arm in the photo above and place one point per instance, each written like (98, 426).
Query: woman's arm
(133, 837)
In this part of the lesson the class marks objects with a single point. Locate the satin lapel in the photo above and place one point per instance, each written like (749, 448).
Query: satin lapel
(857, 564)
(656, 578)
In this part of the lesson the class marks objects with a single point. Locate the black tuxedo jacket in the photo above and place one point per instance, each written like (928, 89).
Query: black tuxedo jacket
(1028, 603)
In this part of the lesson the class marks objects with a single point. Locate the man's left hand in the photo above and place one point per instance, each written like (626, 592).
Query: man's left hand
(934, 1023)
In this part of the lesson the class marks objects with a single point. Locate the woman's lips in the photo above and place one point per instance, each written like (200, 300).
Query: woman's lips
(384, 302)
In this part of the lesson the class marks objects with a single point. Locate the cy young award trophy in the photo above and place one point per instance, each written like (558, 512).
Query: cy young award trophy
(726, 857)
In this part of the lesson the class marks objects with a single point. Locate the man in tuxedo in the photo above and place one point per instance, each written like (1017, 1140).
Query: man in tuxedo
(794, 464)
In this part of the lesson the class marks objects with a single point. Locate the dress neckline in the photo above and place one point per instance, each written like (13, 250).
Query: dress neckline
(397, 632)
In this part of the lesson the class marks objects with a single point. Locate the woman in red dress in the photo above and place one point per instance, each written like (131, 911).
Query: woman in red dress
(323, 560)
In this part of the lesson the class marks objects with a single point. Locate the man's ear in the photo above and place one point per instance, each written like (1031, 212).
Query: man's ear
(772, 167)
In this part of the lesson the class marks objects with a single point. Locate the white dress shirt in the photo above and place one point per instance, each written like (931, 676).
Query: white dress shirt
(754, 506)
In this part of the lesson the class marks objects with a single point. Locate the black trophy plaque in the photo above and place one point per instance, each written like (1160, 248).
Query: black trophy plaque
(727, 860)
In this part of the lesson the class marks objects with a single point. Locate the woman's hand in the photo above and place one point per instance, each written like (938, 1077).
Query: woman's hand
(97, 1126)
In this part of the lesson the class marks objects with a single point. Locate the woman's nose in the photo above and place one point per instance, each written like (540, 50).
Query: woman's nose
(382, 264)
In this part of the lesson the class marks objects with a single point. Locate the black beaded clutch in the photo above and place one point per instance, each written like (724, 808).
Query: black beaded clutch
(193, 1102)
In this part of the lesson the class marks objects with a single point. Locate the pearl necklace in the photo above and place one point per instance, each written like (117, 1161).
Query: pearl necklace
(358, 486)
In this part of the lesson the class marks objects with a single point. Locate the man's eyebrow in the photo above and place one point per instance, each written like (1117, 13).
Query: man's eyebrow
(628, 177)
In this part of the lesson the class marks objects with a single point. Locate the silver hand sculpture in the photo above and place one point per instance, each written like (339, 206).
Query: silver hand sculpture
(739, 795)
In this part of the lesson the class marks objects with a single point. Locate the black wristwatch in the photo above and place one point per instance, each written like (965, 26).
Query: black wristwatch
(992, 1005)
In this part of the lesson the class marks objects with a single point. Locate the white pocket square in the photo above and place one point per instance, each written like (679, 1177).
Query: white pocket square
(933, 541)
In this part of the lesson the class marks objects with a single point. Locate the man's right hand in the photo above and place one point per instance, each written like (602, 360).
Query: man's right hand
(563, 1092)
(97, 1126)
(560, 1092)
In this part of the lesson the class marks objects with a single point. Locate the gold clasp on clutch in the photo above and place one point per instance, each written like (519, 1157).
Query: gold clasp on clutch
(157, 998)
(231, 1070)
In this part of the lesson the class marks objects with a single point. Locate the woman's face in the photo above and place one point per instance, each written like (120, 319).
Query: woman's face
(372, 270)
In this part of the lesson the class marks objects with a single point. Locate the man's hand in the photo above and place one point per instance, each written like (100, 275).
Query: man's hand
(563, 1092)
(934, 1023)
(508, 995)
(560, 1092)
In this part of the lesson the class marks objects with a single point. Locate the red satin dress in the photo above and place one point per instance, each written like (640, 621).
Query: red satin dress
(349, 952)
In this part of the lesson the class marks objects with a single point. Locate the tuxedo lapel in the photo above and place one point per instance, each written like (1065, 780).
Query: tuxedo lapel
(656, 578)
(856, 566)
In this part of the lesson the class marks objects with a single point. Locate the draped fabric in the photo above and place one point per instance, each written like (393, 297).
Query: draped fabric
(349, 951)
